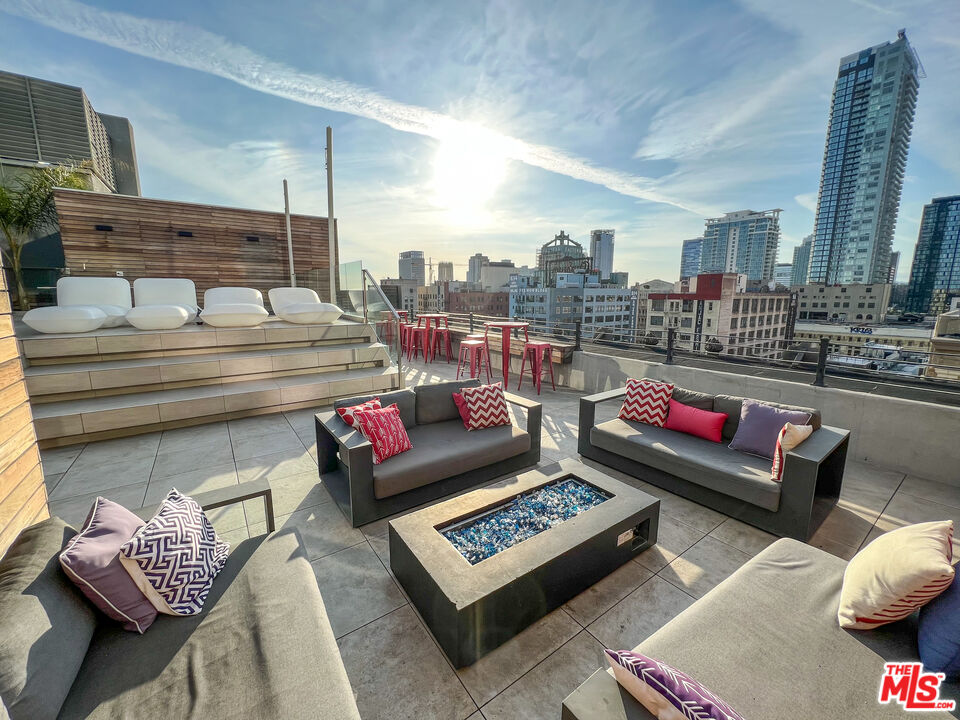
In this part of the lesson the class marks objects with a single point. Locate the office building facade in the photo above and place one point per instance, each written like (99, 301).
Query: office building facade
(474, 266)
(411, 266)
(445, 272)
(935, 274)
(576, 297)
(601, 250)
(801, 261)
(50, 123)
(868, 136)
(743, 243)
(782, 274)
(690, 257)
(856, 303)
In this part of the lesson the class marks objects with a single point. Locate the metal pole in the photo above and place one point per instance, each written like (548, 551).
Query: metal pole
(820, 380)
(286, 213)
(471, 321)
(331, 225)
(577, 335)
(671, 332)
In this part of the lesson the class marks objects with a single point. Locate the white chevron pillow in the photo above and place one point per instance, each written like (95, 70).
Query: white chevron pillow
(174, 558)
(647, 401)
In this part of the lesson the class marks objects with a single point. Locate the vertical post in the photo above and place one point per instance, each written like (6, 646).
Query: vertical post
(577, 334)
(331, 224)
(286, 214)
(820, 380)
(671, 336)
(399, 354)
(471, 321)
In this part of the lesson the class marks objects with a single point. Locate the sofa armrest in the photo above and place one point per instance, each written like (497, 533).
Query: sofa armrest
(588, 413)
(818, 447)
(213, 499)
(812, 479)
(534, 417)
(334, 435)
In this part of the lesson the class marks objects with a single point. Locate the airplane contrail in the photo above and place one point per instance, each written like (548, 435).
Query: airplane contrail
(191, 47)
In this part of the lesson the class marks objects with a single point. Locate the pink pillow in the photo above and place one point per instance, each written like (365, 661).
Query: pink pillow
(693, 421)
(463, 408)
(347, 413)
(385, 431)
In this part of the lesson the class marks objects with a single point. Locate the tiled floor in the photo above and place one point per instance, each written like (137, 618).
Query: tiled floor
(385, 646)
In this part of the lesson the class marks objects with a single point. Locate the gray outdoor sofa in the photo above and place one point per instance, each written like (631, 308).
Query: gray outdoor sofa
(767, 641)
(445, 457)
(712, 474)
(262, 648)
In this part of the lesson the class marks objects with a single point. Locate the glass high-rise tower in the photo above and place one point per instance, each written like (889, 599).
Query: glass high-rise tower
(868, 135)
(801, 261)
(690, 257)
(935, 274)
(742, 242)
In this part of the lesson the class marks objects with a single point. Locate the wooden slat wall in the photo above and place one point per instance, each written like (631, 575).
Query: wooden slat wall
(144, 242)
(23, 496)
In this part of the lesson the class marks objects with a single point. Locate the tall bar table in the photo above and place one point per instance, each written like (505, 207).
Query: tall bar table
(506, 328)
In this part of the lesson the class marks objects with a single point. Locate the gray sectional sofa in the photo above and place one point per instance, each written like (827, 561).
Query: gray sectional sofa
(262, 647)
(712, 474)
(445, 457)
(767, 641)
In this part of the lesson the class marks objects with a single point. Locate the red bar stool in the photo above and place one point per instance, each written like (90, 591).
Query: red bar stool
(440, 337)
(417, 339)
(536, 352)
(404, 337)
(473, 353)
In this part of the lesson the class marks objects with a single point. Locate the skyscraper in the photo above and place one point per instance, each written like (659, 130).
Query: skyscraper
(474, 266)
(601, 250)
(690, 257)
(445, 272)
(743, 242)
(936, 261)
(411, 266)
(46, 122)
(801, 261)
(871, 116)
(782, 272)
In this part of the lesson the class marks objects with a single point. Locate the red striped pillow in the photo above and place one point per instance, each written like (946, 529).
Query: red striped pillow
(896, 574)
(385, 431)
(487, 406)
(647, 401)
(346, 413)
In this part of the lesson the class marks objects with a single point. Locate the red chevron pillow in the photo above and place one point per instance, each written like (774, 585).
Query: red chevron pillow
(385, 431)
(487, 406)
(647, 401)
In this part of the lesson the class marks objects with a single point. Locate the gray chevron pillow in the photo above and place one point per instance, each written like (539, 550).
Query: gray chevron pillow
(174, 558)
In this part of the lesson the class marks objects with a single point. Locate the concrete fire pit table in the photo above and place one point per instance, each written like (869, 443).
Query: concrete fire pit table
(474, 605)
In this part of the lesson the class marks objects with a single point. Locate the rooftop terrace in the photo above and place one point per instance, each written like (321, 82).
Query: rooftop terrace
(385, 645)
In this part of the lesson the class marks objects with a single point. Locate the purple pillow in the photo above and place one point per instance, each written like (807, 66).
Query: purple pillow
(174, 558)
(665, 691)
(91, 560)
(760, 424)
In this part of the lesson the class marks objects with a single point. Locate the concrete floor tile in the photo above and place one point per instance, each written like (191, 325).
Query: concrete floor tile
(106, 452)
(848, 524)
(51, 481)
(497, 670)
(323, 529)
(597, 599)
(639, 615)
(57, 461)
(194, 457)
(686, 511)
(932, 490)
(94, 478)
(356, 589)
(290, 493)
(673, 539)
(274, 466)
(189, 437)
(745, 538)
(398, 673)
(74, 510)
(191, 482)
(537, 695)
(845, 552)
(252, 427)
(704, 566)
(254, 445)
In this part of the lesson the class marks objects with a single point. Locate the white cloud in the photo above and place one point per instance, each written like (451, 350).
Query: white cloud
(181, 44)
(808, 201)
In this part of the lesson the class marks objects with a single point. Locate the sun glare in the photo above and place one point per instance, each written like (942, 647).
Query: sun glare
(469, 166)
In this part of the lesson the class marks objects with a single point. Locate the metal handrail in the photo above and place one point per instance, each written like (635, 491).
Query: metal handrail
(370, 282)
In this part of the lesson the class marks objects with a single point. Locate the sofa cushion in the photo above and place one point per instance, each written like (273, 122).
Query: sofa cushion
(774, 622)
(45, 624)
(261, 648)
(693, 398)
(405, 400)
(939, 632)
(435, 401)
(710, 464)
(444, 449)
(731, 404)
(694, 421)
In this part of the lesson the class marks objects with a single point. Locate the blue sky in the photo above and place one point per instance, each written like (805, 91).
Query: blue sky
(465, 127)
